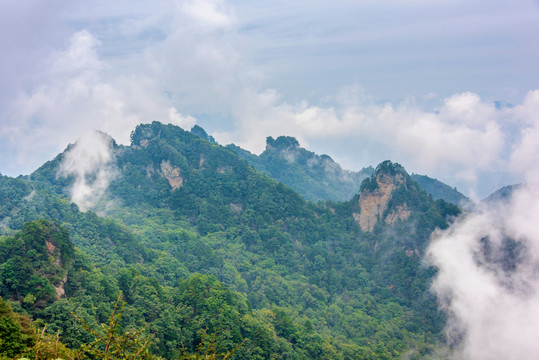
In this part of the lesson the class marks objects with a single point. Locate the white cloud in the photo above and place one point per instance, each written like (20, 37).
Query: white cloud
(75, 96)
(90, 162)
(525, 157)
(493, 310)
(174, 59)
(460, 140)
(493, 306)
(214, 14)
(199, 62)
(183, 121)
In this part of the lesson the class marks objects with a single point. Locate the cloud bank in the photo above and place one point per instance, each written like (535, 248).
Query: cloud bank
(488, 261)
(75, 95)
(462, 140)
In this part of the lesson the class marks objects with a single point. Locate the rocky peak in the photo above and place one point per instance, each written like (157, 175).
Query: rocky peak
(282, 143)
(375, 195)
(201, 133)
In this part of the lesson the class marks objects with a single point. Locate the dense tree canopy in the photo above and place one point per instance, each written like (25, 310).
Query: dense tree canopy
(198, 242)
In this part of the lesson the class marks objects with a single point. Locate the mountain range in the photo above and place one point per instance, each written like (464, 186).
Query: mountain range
(285, 254)
(318, 177)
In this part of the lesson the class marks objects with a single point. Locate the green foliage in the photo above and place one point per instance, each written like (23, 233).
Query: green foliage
(12, 193)
(229, 251)
(207, 350)
(200, 132)
(390, 168)
(282, 142)
(33, 261)
(369, 184)
(111, 343)
(19, 338)
(315, 177)
(12, 342)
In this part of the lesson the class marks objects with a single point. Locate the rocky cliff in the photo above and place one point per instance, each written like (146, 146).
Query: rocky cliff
(376, 194)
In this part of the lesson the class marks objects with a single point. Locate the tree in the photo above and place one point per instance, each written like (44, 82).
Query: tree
(112, 344)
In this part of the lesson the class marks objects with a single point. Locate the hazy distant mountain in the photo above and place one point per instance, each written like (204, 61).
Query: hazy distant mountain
(439, 190)
(315, 177)
(503, 193)
(318, 177)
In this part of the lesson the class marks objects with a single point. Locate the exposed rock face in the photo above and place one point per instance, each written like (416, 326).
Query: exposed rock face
(236, 207)
(224, 169)
(400, 213)
(373, 202)
(60, 290)
(51, 249)
(172, 174)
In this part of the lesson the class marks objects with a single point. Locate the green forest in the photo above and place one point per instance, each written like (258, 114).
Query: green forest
(193, 253)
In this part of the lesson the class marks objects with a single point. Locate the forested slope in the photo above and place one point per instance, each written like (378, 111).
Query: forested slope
(195, 238)
(315, 177)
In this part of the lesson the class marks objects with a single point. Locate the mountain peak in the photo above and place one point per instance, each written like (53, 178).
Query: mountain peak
(201, 133)
(503, 194)
(315, 177)
(282, 143)
(390, 168)
(376, 193)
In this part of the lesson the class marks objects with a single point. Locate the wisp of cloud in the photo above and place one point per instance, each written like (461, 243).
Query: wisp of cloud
(90, 162)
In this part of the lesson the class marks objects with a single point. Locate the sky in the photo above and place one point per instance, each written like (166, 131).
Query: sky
(446, 88)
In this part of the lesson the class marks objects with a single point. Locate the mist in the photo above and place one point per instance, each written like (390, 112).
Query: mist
(90, 162)
(488, 267)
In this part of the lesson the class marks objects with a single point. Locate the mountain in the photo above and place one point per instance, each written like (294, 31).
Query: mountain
(379, 197)
(315, 177)
(319, 178)
(195, 238)
(399, 217)
(439, 190)
(502, 194)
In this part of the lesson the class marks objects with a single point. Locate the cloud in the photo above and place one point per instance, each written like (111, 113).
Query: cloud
(491, 291)
(212, 14)
(463, 138)
(200, 61)
(234, 65)
(493, 309)
(183, 121)
(77, 94)
(30, 30)
(71, 99)
(90, 162)
(524, 157)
